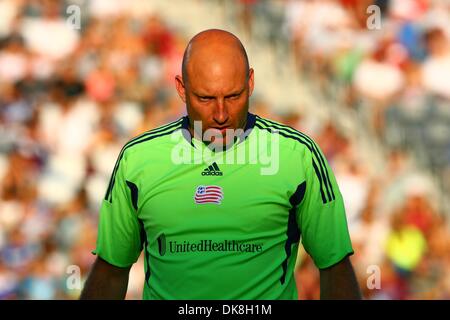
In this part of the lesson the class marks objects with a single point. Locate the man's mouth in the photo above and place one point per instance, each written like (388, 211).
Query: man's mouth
(221, 129)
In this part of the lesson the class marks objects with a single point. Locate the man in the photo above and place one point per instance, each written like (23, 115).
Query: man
(216, 229)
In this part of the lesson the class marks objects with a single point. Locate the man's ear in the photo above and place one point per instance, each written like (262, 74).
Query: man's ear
(179, 84)
(251, 81)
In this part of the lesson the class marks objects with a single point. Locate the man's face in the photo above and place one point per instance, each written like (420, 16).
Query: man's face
(217, 95)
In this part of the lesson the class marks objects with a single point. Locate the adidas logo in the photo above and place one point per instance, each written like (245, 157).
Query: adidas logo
(212, 170)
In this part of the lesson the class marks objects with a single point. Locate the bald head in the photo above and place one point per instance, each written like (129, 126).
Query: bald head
(214, 48)
(216, 83)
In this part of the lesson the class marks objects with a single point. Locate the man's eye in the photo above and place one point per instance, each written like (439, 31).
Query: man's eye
(204, 99)
(234, 96)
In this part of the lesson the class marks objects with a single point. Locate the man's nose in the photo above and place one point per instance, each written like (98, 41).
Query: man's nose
(221, 112)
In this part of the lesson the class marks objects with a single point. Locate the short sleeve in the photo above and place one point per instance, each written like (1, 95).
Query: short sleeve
(119, 231)
(321, 215)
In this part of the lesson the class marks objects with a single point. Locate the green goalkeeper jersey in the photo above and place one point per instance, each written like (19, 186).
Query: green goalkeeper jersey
(222, 225)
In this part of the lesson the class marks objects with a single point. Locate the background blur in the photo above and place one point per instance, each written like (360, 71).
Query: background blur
(373, 91)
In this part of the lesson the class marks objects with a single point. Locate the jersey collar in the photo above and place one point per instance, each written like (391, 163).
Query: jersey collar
(249, 124)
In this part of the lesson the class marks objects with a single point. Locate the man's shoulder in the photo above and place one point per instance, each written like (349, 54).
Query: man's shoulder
(158, 135)
(289, 136)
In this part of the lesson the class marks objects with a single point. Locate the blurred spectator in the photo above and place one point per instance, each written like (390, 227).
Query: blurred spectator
(369, 239)
(100, 84)
(406, 245)
(13, 60)
(408, 10)
(436, 69)
(383, 66)
(48, 35)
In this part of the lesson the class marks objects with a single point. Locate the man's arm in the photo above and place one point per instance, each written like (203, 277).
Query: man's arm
(339, 282)
(106, 281)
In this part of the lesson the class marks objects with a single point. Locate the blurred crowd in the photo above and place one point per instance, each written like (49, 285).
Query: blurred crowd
(391, 64)
(387, 59)
(71, 96)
